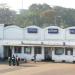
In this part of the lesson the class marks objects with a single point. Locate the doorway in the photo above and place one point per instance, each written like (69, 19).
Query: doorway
(7, 52)
(68, 51)
(48, 53)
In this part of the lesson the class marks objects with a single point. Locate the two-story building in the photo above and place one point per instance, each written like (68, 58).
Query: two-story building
(50, 43)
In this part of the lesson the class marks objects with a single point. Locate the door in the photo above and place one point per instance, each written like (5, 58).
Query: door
(69, 54)
(38, 53)
(7, 52)
(48, 53)
(69, 51)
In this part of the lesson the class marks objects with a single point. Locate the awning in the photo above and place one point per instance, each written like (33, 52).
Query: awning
(70, 43)
(37, 43)
(9, 42)
(53, 43)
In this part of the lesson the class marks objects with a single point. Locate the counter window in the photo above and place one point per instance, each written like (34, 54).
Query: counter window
(37, 50)
(68, 51)
(59, 51)
(27, 50)
(17, 49)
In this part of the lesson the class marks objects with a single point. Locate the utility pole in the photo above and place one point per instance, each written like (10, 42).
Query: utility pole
(22, 4)
(58, 19)
(55, 21)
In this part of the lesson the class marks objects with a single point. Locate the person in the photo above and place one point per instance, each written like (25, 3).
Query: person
(13, 60)
(35, 58)
(9, 60)
(25, 60)
(17, 61)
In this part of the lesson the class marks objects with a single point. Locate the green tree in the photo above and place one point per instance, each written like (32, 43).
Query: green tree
(7, 16)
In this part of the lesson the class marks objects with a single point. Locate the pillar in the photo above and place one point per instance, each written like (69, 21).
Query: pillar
(12, 50)
(64, 50)
(32, 50)
(43, 52)
(22, 52)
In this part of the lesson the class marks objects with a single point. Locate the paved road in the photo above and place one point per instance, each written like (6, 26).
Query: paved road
(39, 68)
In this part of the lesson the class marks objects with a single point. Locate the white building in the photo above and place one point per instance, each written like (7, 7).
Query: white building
(50, 43)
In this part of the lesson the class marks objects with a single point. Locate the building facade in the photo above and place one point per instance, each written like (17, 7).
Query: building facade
(50, 43)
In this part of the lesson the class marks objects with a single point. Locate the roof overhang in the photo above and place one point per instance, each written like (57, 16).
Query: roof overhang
(37, 43)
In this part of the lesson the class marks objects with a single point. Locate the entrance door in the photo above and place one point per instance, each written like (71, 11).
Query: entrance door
(48, 53)
(37, 53)
(68, 51)
(7, 52)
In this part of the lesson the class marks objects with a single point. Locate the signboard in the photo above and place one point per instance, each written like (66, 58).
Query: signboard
(32, 30)
(53, 31)
(72, 31)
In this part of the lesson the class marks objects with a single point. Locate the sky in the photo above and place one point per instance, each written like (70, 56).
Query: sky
(24, 4)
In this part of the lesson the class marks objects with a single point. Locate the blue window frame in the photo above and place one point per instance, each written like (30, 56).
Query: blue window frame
(59, 51)
(32, 30)
(53, 31)
(72, 31)
(27, 50)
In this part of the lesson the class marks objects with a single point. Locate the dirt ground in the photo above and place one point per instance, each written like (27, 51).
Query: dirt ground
(39, 68)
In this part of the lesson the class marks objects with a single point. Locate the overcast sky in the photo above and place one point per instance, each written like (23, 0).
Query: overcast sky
(17, 4)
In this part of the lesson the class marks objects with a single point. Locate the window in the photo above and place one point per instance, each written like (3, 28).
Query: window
(37, 50)
(68, 51)
(72, 31)
(27, 50)
(59, 51)
(17, 49)
(52, 31)
(32, 30)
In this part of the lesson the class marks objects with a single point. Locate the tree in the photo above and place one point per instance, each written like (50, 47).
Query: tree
(44, 15)
(67, 15)
(48, 17)
(7, 16)
(33, 16)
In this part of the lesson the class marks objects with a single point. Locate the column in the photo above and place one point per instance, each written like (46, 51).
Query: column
(22, 54)
(1, 52)
(22, 50)
(64, 50)
(32, 50)
(12, 50)
(51, 52)
(32, 53)
(73, 51)
(43, 52)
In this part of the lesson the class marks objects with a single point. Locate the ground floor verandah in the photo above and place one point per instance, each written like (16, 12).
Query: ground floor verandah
(44, 50)
(55, 53)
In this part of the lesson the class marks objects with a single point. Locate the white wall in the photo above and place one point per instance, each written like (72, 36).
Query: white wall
(50, 36)
(69, 36)
(13, 33)
(58, 58)
(1, 38)
(23, 55)
(63, 57)
(1, 31)
(1, 52)
(17, 33)
(33, 36)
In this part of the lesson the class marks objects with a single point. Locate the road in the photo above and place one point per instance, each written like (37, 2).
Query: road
(39, 68)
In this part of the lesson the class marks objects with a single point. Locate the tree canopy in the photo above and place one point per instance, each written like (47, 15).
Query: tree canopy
(42, 15)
